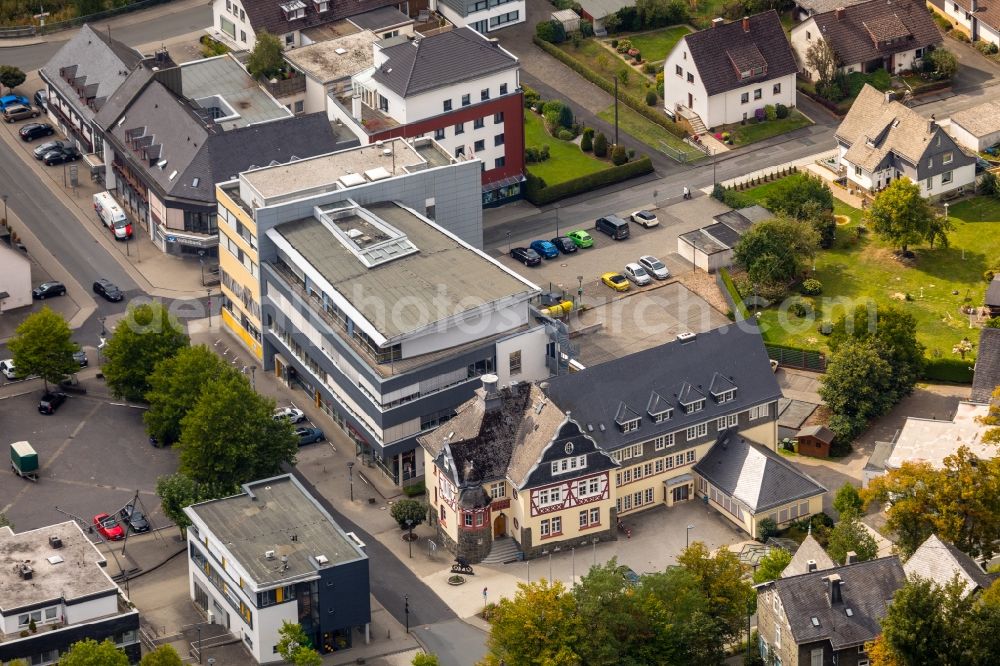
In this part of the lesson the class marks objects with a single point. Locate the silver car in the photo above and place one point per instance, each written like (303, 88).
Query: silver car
(654, 267)
(637, 274)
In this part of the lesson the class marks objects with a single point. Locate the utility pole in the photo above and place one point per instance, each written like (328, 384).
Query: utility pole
(616, 110)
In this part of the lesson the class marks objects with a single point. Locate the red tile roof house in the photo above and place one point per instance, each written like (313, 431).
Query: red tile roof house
(980, 18)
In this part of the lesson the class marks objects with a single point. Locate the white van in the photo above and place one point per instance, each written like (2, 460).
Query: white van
(112, 215)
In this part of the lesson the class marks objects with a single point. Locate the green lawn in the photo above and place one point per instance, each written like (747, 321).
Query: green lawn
(647, 131)
(608, 64)
(940, 281)
(566, 160)
(754, 131)
(655, 45)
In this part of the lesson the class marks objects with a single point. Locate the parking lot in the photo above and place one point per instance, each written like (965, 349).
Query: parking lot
(93, 456)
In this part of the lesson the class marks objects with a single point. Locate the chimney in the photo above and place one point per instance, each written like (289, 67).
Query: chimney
(356, 107)
(467, 470)
(811, 565)
(746, 24)
(839, 13)
(931, 125)
(716, 21)
(492, 398)
(888, 96)
(851, 557)
(973, 6)
(835, 591)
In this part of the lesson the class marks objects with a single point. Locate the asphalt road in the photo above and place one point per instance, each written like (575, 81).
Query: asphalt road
(142, 32)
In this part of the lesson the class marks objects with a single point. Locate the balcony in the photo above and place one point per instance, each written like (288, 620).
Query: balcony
(286, 87)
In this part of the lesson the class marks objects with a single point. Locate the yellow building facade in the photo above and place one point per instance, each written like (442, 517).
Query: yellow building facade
(239, 270)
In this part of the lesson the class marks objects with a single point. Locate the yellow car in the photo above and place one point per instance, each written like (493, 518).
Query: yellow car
(616, 281)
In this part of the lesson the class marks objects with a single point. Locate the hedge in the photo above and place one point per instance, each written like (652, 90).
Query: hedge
(948, 370)
(734, 294)
(545, 195)
(637, 105)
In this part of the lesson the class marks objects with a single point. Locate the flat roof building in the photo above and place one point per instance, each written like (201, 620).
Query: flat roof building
(54, 578)
(274, 554)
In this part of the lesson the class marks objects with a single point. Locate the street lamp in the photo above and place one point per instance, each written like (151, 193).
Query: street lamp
(350, 476)
(253, 377)
(5, 197)
(687, 534)
(104, 332)
(201, 260)
(208, 292)
(409, 537)
(199, 643)
(406, 610)
(579, 288)
(508, 242)
(557, 221)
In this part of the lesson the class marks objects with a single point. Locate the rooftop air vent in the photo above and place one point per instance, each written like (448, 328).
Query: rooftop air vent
(269, 555)
(686, 336)
(55, 541)
(322, 559)
(55, 559)
(25, 571)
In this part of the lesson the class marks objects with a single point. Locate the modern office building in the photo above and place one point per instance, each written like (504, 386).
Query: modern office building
(273, 554)
(54, 591)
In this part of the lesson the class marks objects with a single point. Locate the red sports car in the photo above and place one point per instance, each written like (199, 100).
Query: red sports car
(108, 527)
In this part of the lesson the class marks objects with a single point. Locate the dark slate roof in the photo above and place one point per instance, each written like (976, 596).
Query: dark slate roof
(441, 60)
(123, 96)
(724, 234)
(593, 394)
(196, 148)
(993, 292)
(755, 475)
(381, 18)
(858, 35)
(268, 15)
(717, 52)
(98, 63)
(987, 376)
(700, 241)
(866, 589)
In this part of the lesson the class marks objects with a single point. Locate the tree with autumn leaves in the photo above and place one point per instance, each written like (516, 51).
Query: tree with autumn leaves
(684, 615)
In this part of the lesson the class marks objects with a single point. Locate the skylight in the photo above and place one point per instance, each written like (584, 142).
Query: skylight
(815, 621)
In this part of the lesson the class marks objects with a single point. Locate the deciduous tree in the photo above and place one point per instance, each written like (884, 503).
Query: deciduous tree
(899, 215)
(229, 437)
(295, 647)
(164, 655)
(992, 418)
(857, 386)
(945, 63)
(89, 652)
(42, 345)
(266, 58)
(147, 335)
(848, 502)
(175, 386)
(775, 251)
(538, 627)
(797, 196)
(11, 77)
(408, 509)
(177, 491)
(821, 58)
(771, 565)
(720, 579)
(424, 659)
(924, 624)
(850, 535)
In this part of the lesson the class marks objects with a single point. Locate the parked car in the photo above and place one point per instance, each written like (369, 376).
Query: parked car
(613, 226)
(108, 289)
(80, 357)
(654, 267)
(19, 112)
(645, 218)
(308, 435)
(41, 151)
(526, 256)
(47, 289)
(581, 238)
(545, 248)
(564, 244)
(616, 281)
(108, 527)
(60, 155)
(33, 131)
(42, 99)
(637, 274)
(10, 100)
(134, 518)
(50, 402)
(291, 414)
(8, 370)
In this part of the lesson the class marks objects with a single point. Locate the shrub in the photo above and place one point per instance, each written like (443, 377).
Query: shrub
(551, 31)
(588, 132)
(415, 490)
(565, 135)
(812, 287)
(408, 509)
(636, 55)
(766, 528)
(992, 323)
(821, 519)
(538, 194)
(770, 112)
(989, 275)
(960, 36)
(948, 370)
(942, 22)
(566, 117)
(760, 115)
(587, 142)
(986, 48)
(651, 98)
(543, 154)
(649, 68)
(989, 184)
(552, 106)
(801, 308)
(619, 156)
(781, 111)
(631, 153)
(586, 28)
(623, 45)
(719, 192)
(624, 75)
(531, 97)
(614, 44)
(600, 145)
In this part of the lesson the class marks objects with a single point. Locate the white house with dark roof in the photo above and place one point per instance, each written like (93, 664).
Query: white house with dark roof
(483, 15)
(881, 140)
(457, 87)
(713, 246)
(724, 74)
(976, 128)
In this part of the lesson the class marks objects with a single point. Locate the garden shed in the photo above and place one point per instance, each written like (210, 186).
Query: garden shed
(570, 20)
(815, 441)
(711, 248)
(992, 300)
(977, 128)
(598, 10)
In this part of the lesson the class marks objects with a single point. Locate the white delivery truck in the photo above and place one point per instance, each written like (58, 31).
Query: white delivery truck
(112, 215)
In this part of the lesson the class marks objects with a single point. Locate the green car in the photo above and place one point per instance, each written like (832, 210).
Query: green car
(581, 238)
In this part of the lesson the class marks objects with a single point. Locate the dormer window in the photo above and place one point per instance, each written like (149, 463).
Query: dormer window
(723, 389)
(658, 408)
(726, 396)
(571, 464)
(295, 9)
(629, 426)
(627, 418)
(691, 399)
(322, 5)
(695, 406)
